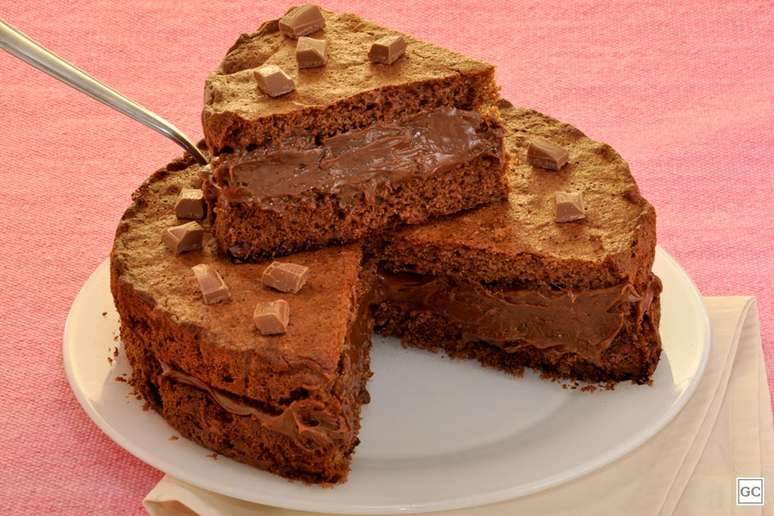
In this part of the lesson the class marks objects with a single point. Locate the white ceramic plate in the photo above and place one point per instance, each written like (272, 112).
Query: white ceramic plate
(438, 434)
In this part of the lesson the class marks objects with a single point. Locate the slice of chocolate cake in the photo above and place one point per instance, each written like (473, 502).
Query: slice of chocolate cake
(364, 74)
(513, 286)
(271, 202)
(192, 329)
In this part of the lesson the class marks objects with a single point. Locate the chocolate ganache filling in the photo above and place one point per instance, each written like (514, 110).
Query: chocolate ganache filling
(583, 321)
(359, 161)
(290, 421)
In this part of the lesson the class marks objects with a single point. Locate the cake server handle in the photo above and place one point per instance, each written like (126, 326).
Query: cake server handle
(20, 45)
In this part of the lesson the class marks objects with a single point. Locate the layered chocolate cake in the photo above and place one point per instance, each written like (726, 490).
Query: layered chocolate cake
(270, 202)
(528, 245)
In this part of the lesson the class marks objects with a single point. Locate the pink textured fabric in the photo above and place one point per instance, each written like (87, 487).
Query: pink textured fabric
(684, 90)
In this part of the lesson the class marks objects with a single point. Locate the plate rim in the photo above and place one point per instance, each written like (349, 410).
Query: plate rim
(468, 501)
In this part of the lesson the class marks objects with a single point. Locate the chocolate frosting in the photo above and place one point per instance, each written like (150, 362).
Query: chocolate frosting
(358, 162)
(584, 322)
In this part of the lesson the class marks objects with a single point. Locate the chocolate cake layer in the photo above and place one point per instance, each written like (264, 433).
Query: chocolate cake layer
(349, 92)
(271, 202)
(288, 403)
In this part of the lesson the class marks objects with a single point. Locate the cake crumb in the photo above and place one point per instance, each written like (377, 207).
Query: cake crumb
(173, 438)
(589, 388)
(110, 360)
(213, 456)
(104, 314)
(115, 352)
(500, 234)
(121, 379)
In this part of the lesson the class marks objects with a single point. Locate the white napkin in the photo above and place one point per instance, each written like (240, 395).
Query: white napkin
(690, 467)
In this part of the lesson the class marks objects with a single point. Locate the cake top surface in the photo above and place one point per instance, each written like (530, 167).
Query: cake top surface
(232, 88)
(319, 313)
(618, 231)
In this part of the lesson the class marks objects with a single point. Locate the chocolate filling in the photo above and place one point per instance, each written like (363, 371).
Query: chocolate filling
(358, 162)
(289, 422)
(584, 322)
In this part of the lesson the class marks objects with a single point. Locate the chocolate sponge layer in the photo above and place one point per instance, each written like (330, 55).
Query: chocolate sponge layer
(349, 92)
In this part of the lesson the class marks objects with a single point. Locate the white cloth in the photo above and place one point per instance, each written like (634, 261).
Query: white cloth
(689, 468)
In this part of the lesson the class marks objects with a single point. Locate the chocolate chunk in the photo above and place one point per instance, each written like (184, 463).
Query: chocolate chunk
(545, 154)
(190, 204)
(271, 318)
(211, 284)
(387, 50)
(301, 20)
(311, 53)
(183, 238)
(285, 277)
(273, 81)
(569, 206)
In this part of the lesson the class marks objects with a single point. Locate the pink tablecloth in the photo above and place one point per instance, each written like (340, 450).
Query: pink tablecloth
(685, 92)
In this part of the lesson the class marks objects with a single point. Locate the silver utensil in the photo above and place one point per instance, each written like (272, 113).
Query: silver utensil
(22, 46)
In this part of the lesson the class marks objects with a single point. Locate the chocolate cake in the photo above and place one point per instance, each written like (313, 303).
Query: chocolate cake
(528, 244)
(505, 284)
(287, 403)
(348, 92)
(509, 285)
(270, 202)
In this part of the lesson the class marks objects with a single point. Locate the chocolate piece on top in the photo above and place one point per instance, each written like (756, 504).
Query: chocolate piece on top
(569, 207)
(358, 94)
(190, 204)
(311, 53)
(545, 154)
(271, 318)
(387, 50)
(301, 20)
(285, 277)
(273, 81)
(211, 284)
(183, 238)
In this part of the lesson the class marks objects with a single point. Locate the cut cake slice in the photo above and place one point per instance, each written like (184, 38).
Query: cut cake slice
(349, 92)
(271, 202)
(287, 403)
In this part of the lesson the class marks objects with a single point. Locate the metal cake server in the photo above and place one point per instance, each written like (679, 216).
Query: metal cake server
(22, 46)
